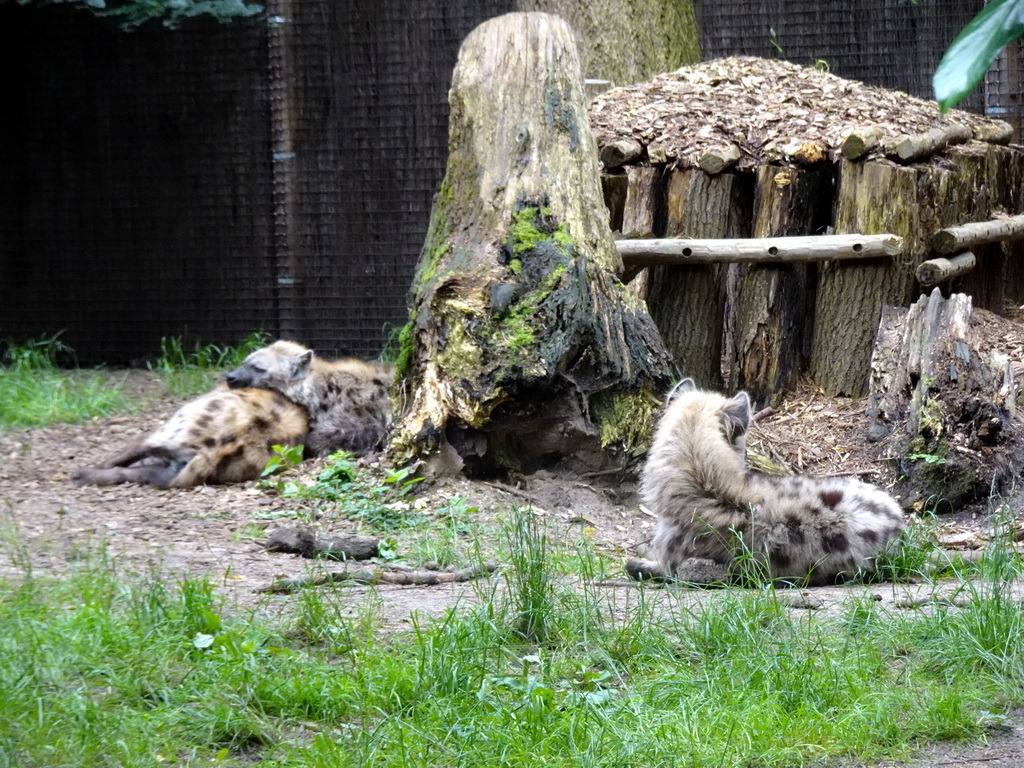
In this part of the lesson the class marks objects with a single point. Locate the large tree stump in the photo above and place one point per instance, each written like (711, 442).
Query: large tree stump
(523, 347)
(688, 303)
(774, 306)
(945, 409)
(872, 197)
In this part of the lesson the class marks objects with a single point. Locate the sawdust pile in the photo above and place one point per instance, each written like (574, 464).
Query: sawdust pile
(755, 103)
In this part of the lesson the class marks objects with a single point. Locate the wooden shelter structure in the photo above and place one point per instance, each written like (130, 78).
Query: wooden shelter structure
(745, 147)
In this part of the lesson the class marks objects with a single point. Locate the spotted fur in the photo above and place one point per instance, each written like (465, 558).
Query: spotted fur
(711, 505)
(346, 399)
(225, 436)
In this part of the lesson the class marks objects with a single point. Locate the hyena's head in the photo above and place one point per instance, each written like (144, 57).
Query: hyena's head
(278, 366)
(702, 416)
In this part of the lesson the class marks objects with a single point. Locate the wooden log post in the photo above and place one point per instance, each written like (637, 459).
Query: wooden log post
(872, 197)
(774, 304)
(953, 239)
(523, 348)
(688, 302)
(910, 149)
(972, 193)
(861, 142)
(642, 216)
(939, 270)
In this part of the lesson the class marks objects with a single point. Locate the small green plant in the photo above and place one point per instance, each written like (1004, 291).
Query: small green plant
(822, 66)
(284, 457)
(927, 458)
(774, 40)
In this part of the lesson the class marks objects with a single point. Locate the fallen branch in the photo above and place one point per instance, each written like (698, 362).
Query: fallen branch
(978, 233)
(768, 250)
(935, 271)
(913, 148)
(299, 540)
(861, 141)
(372, 575)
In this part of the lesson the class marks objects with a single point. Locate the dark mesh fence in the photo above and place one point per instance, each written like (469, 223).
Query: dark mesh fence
(137, 183)
(892, 43)
(217, 180)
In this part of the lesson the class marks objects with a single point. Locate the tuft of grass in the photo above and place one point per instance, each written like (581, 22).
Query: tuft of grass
(186, 372)
(530, 579)
(35, 390)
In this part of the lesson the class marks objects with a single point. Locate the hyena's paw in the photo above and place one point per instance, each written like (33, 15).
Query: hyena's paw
(83, 476)
(645, 570)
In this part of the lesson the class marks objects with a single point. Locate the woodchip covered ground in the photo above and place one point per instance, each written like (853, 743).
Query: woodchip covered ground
(753, 103)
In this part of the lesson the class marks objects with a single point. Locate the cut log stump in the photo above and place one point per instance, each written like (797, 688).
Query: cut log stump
(945, 409)
(524, 349)
(772, 324)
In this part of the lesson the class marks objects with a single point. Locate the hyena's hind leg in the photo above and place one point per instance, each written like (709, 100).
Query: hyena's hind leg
(158, 473)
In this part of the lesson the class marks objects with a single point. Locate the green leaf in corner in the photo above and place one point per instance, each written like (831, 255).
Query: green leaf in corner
(969, 56)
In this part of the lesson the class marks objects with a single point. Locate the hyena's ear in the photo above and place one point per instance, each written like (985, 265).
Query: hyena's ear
(301, 363)
(737, 416)
(684, 386)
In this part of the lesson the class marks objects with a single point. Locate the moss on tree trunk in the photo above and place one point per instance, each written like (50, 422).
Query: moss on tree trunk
(523, 347)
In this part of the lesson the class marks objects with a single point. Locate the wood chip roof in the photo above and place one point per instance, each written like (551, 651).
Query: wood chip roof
(757, 104)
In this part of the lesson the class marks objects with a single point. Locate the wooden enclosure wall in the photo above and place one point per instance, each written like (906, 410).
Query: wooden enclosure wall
(760, 328)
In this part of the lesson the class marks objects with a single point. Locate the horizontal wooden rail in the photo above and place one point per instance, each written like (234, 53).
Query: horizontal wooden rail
(978, 233)
(935, 271)
(767, 250)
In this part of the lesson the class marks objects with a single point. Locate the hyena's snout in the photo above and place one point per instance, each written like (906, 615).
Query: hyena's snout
(238, 378)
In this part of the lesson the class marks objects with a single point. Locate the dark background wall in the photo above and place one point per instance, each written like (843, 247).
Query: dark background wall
(147, 193)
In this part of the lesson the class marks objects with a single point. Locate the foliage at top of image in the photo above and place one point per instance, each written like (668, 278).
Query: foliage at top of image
(971, 54)
(134, 13)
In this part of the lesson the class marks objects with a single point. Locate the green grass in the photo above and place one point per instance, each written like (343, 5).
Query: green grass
(186, 372)
(40, 382)
(108, 669)
(36, 391)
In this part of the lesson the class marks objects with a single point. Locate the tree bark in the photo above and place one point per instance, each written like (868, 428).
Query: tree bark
(523, 349)
(774, 303)
(872, 197)
(687, 303)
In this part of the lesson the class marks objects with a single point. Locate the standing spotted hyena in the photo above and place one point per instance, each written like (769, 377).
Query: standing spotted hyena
(711, 506)
(347, 400)
(225, 436)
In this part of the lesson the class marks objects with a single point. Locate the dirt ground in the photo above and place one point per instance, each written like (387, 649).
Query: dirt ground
(217, 531)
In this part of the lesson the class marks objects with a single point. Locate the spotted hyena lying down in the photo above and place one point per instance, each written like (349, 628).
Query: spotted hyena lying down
(712, 507)
(225, 436)
(347, 400)
(281, 395)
